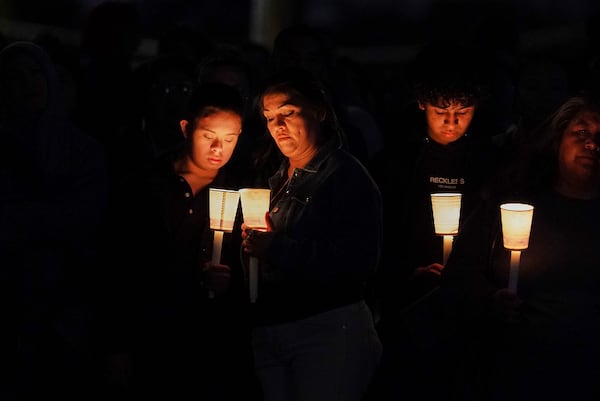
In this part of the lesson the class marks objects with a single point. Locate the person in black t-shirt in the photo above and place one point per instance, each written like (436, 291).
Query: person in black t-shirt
(446, 150)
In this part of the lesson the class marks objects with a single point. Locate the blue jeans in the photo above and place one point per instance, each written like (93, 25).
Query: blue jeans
(331, 356)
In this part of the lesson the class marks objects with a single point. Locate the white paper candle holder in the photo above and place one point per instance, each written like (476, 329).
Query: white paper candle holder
(223, 208)
(516, 219)
(446, 217)
(516, 225)
(223, 205)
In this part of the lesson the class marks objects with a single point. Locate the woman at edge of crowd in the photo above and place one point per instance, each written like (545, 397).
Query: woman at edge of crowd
(540, 341)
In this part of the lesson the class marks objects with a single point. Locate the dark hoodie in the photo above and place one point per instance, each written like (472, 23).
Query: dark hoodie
(53, 197)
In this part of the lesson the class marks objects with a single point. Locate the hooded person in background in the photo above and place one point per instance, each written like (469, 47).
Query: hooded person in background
(53, 199)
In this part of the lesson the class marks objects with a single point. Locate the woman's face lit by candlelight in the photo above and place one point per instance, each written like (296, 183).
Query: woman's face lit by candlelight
(292, 124)
(213, 138)
(579, 157)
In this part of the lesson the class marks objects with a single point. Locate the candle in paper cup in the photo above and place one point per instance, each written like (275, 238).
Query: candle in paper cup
(223, 208)
(516, 221)
(446, 212)
(255, 204)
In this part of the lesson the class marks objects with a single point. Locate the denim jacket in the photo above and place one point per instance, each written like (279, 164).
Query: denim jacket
(328, 224)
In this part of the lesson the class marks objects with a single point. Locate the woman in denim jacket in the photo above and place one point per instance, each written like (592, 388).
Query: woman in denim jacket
(314, 337)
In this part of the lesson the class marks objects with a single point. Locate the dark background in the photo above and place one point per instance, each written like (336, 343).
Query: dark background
(370, 30)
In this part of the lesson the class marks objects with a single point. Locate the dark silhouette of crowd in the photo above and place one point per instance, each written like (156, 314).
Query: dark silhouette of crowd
(107, 284)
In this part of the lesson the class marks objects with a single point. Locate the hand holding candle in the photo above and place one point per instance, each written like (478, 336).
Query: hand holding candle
(216, 278)
(256, 242)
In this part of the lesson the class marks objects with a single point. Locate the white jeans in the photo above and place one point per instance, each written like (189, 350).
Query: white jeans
(331, 356)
